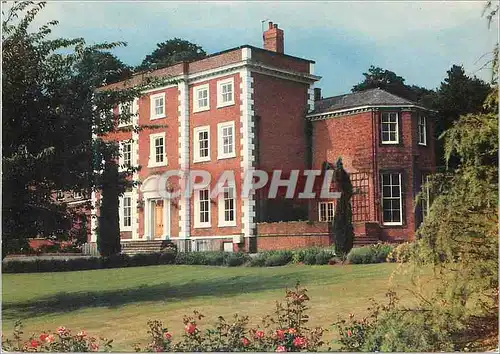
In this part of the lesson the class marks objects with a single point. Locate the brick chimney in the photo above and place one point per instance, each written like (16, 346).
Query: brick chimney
(274, 39)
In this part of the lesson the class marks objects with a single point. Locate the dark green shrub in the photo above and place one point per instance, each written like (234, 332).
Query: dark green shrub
(369, 254)
(278, 258)
(235, 259)
(323, 257)
(167, 257)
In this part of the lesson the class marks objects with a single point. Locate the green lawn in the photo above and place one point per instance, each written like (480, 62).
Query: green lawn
(117, 303)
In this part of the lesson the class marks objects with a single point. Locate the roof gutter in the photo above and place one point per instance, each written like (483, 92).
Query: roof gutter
(339, 111)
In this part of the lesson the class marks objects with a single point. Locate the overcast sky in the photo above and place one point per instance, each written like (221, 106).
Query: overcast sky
(417, 40)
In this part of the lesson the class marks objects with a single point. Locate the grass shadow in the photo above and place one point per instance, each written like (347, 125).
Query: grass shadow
(64, 302)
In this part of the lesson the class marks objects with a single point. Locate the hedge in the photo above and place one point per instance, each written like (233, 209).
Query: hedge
(228, 259)
(370, 254)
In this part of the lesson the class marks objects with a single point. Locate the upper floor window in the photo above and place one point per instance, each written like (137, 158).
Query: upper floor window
(225, 92)
(422, 130)
(326, 211)
(201, 98)
(225, 137)
(392, 203)
(157, 150)
(127, 112)
(157, 106)
(201, 150)
(126, 153)
(389, 128)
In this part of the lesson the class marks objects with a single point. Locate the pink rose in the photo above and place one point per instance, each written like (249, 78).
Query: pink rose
(190, 328)
(50, 338)
(299, 342)
(259, 334)
(280, 349)
(82, 334)
(43, 337)
(245, 341)
(349, 333)
(167, 336)
(61, 330)
(280, 334)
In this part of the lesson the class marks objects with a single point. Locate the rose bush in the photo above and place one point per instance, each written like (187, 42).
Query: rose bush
(284, 331)
(61, 340)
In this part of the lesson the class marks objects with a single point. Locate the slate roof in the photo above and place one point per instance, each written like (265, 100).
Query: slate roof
(371, 97)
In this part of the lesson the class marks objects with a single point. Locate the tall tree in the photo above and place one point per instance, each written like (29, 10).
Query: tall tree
(171, 52)
(51, 107)
(342, 228)
(389, 81)
(457, 95)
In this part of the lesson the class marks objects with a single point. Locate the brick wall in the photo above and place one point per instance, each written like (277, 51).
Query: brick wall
(291, 235)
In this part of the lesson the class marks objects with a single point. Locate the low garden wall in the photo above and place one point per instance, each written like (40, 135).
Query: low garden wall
(292, 235)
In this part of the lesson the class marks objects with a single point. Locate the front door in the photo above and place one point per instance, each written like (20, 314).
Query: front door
(158, 219)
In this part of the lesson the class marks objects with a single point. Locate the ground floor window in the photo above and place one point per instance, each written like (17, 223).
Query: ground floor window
(126, 213)
(392, 206)
(326, 211)
(425, 200)
(202, 208)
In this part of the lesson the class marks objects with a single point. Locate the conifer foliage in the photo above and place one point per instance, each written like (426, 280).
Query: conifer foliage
(342, 229)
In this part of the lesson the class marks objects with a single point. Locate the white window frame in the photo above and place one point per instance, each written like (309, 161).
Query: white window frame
(59, 195)
(152, 101)
(422, 130)
(220, 84)
(392, 223)
(220, 141)
(152, 150)
(326, 205)
(133, 110)
(124, 227)
(388, 114)
(196, 101)
(197, 209)
(77, 194)
(426, 192)
(121, 159)
(222, 206)
(196, 144)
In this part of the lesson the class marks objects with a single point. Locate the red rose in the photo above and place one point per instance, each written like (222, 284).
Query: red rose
(280, 349)
(94, 346)
(190, 328)
(245, 341)
(299, 342)
(34, 343)
(259, 334)
(349, 333)
(280, 334)
(167, 336)
(43, 337)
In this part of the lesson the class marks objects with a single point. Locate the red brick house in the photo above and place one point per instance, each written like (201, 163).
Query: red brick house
(249, 108)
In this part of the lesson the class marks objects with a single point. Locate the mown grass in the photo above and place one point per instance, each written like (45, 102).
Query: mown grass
(116, 303)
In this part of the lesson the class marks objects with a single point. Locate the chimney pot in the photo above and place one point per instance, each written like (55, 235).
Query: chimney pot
(317, 94)
(274, 39)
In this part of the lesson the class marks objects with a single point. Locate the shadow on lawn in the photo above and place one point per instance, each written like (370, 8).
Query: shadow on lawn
(67, 302)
